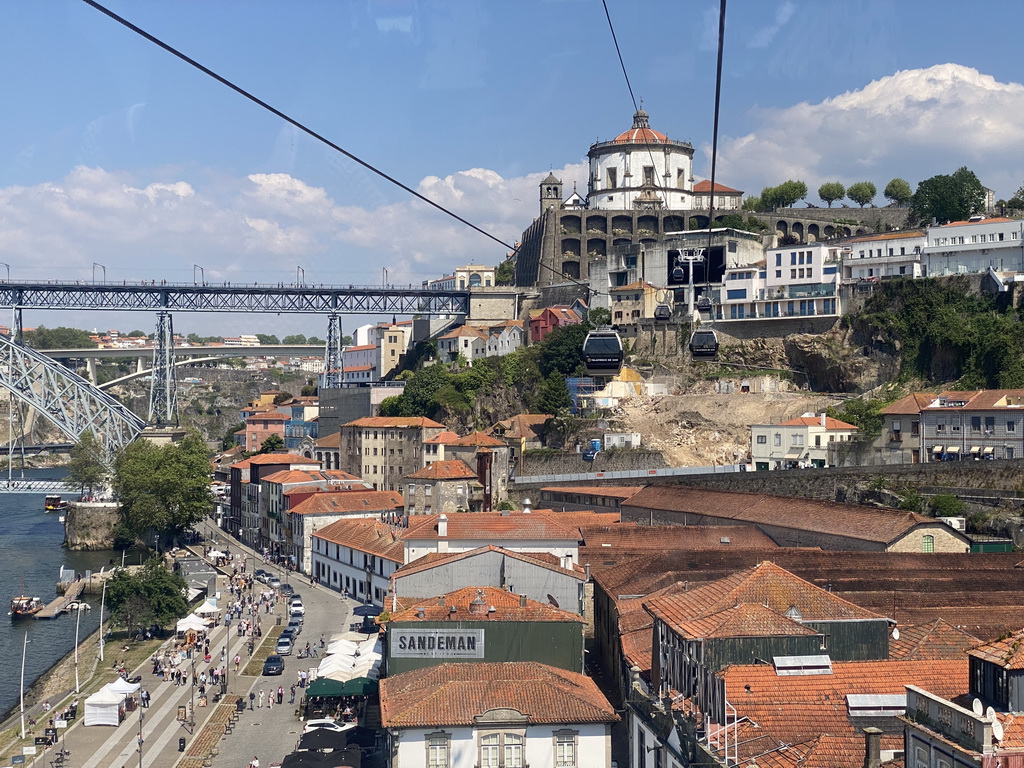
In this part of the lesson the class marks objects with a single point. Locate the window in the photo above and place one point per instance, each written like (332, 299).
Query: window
(649, 175)
(501, 750)
(990, 424)
(438, 750)
(976, 423)
(778, 440)
(490, 751)
(565, 750)
(612, 178)
(762, 439)
(792, 274)
(778, 259)
(1011, 426)
(778, 273)
(928, 543)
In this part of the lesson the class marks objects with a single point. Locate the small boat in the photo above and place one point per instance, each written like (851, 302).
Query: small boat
(25, 606)
(55, 503)
(77, 605)
(61, 519)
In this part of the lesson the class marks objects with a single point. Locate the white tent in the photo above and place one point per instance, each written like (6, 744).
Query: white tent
(206, 609)
(214, 553)
(346, 647)
(192, 622)
(103, 708)
(121, 687)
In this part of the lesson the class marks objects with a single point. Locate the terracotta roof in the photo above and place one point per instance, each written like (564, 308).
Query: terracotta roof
(393, 422)
(361, 348)
(358, 368)
(847, 520)
(638, 285)
(335, 486)
(456, 694)
(1007, 652)
(507, 607)
(441, 438)
(794, 708)
(450, 469)
(281, 458)
(680, 536)
(935, 640)
(897, 235)
(910, 405)
(705, 186)
(436, 559)
(494, 526)
(288, 476)
(329, 441)
(610, 491)
(585, 519)
(743, 620)
(766, 584)
(993, 220)
(271, 416)
(366, 535)
(986, 399)
(523, 425)
(814, 421)
(349, 502)
(479, 440)
(464, 330)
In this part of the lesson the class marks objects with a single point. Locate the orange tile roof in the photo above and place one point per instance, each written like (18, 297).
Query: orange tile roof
(794, 708)
(910, 405)
(329, 441)
(523, 424)
(848, 520)
(1007, 652)
(366, 535)
(679, 536)
(635, 286)
(993, 220)
(456, 694)
(393, 422)
(934, 640)
(450, 469)
(897, 235)
(349, 502)
(814, 421)
(743, 620)
(281, 458)
(288, 476)
(507, 607)
(479, 440)
(361, 348)
(493, 526)
(585, 519)
(464, 330)
(705, 186)
(441, 438)
(437, 559)
(766, 584)
(358, 368)
(335, 486)
(271, 416)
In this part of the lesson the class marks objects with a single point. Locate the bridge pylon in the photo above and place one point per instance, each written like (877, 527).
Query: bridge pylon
(163, 390)
(334, 366)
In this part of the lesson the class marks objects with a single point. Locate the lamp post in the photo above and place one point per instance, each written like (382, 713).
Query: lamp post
(202, 274)
(78, 620)
(8, 266)
(24, 648)
(103, 600)
(94, 265)
(384, 273)
(142, 717)
(192, 706)
(300, 271)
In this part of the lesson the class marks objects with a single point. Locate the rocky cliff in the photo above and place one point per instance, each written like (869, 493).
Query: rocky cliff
(90, 525)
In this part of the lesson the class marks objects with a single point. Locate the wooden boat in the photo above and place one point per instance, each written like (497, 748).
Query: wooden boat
(54, 503)
(23, 606)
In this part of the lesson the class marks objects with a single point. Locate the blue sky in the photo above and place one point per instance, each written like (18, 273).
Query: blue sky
(114, 152)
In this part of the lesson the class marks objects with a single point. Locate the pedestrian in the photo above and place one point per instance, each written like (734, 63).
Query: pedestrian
(316, 653)
(262, 695)
(291, 698)
(270, 699)
(238, 660)
(280, 694)
(323, 641)
(252, 699)
(255, 763)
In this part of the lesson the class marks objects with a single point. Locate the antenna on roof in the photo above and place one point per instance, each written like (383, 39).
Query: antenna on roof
(976, 706)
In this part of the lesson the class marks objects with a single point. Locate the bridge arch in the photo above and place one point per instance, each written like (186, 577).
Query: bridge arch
(65, 399)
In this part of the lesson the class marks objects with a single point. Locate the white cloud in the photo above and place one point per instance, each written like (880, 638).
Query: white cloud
(915, 124)
(763, 37)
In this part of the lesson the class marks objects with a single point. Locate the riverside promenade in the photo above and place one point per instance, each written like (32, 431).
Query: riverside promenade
(221, 736)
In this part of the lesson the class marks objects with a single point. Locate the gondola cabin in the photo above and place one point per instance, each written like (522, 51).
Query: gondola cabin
(704, 345)
(663, 313)
(602, 353)
(704, 304)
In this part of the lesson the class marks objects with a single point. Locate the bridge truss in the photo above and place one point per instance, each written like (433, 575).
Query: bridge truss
(67, 400)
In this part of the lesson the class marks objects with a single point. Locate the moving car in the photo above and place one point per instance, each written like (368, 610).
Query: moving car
(286, 589)
(296, 608)
(274, 582)
(284, 646)
(274, 665)
(261, 576)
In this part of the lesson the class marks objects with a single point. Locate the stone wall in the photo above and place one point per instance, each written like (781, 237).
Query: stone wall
(567, 462)
(90, 525)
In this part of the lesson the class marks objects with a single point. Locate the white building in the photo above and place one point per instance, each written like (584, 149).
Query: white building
(466, 341)
(976, 245)
(512, 715)
(893, 254)
(800, 442)
(357, 557)
(360, 364)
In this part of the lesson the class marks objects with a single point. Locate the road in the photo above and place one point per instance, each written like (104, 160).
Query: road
(267, 733)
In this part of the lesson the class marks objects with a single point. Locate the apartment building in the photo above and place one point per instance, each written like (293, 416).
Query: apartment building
(383, 449)
(874, 257)
(800, 442)
(975, 245)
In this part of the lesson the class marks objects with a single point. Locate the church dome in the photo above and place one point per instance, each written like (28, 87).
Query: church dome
(641, 132)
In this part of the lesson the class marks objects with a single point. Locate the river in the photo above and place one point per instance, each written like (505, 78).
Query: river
(31, 552)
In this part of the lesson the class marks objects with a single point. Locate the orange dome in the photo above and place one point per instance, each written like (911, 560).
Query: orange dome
(641, 132)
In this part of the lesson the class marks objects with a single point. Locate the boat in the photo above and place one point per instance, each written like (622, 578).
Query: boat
(25, 606)
(54, 503)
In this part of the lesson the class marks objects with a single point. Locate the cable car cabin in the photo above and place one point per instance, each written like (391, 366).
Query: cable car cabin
(704, 345)
(704, 304)
(663, 313)
(602, 353)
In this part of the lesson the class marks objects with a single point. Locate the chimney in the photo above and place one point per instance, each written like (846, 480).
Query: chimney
(442, 526)
(823, 420)
(522, 601)
(872, 747)
(526, 506)
(478, 606)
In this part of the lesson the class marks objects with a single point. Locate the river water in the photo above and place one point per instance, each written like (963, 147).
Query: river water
(31, 552)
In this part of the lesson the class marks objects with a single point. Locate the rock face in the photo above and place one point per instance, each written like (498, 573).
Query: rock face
(90, 525)
(842, 360)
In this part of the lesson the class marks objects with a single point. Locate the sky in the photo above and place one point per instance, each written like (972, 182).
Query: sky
(120, 161)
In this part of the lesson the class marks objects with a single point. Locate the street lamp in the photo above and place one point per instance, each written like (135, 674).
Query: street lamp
(202, 274)
(78, 620)
(103, 600)
(298, 271)
(94, 265)
(24, 647)
(384, 271)
(142, 717)
(8, 271)
(192, 706)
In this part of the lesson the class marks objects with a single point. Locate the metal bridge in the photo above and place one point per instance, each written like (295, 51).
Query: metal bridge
(24, 485)
(76, 406)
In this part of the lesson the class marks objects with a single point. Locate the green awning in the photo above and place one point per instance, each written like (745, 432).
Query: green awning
(324, 686)
(359, 686)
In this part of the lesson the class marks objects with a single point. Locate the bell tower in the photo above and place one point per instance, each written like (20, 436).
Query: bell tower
(550, 193)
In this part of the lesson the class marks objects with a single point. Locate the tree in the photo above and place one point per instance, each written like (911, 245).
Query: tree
(898, 192)
(345, 341)
(947, 505)
(788, 192)
(505, 274)
(267, 339)
(87, 467)
(296, 338)
(58, 338)
(862, 192)
(283, 397)
(271, 444)
(554, 394)
(151, 595)
(831, 191)
(562, 350)
(599, 316)
(949, 198)
(163, 489)
(753, 203)
(137, 334)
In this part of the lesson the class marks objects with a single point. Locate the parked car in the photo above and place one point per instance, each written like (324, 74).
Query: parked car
(296, 608)
(290, 633)
(295, 623)
(274, 665)
(284, 646)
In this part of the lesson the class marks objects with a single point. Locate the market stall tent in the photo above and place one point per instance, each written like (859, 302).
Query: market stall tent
(121, 687)
(103, 708)
(206, 609)
(192, 622)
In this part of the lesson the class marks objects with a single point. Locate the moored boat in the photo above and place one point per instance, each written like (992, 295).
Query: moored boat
(54, 503)
(25, 606)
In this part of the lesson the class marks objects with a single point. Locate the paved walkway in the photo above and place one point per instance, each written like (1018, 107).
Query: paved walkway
(268, 733)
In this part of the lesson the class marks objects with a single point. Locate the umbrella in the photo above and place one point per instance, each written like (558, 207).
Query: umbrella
(215, 553)
(307, 760)
(325, 686)
(367, 610)
(359, 686)
(322, 738)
